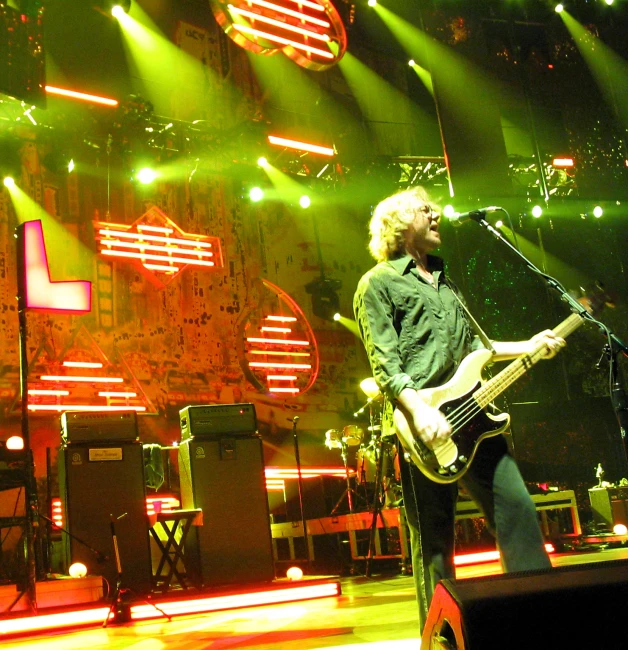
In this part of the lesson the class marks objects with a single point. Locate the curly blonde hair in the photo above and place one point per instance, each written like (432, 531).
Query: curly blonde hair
(390, 220)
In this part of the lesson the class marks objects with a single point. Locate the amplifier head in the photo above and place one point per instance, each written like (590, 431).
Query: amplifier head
(215, 420)
(99, 426)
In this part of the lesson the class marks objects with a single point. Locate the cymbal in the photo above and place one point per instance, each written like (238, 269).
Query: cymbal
(369, 387)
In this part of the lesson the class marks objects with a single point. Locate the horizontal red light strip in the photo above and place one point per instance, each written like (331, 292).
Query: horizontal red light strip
(286, 330)
(283, 10)
(37, 391)
(162, 267)
(101, 380)
(53, 621)
(162, 258)
(165, 240)
(82, 407)
(277, 23)
(278, 341)
(300, 146)
(151, 247)
(279, 353)
(295, 366)
(82, 96)
(276, 389)
(283, 41)
(282, 377)
(311, 5)
(563, 162)
(109, 393)
(486, 556)
(291, 472)
(154, 228)
(218, 603)
(81, 364)
(282, 319)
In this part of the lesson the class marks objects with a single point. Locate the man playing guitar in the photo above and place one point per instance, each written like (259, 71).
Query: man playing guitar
(416, 333)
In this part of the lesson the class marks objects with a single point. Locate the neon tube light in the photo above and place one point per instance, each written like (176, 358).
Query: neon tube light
(166, 240)
(486, 556)
(295, 14)
(82, 364)
(82, 407)
(277, 353)
(307, 472)
(306, 3)
(294, 366)
(82, 96)
(282, 319)
(53, 621)
(112, 393)
(277, 23)
(37, 391)
(287, 330)
(148, 256)
(282, 377)
(218, 603)
(151, 247)
(278, 341)
(284, 41)
(162, 267)
(301, 146)
(103, 380)
(275, 389)
(563, 162)
(154, 228)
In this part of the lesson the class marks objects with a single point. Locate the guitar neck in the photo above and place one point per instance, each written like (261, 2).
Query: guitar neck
(498, 384)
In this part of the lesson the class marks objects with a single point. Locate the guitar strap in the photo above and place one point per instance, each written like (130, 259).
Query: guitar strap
(481, 333)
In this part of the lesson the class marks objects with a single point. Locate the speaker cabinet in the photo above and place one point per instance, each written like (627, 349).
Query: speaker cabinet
(97, 482)
(570, 607)
(609, 506)
(225, 478)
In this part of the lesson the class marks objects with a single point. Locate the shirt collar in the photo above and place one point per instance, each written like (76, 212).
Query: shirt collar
(403, 264)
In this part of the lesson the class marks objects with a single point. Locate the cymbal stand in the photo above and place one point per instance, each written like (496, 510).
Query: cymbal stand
(349, 491)
(377, 503)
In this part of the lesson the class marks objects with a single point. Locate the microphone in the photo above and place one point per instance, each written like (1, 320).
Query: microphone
(460, 217)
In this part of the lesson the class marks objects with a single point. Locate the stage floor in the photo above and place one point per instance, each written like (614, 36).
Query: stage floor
(378, 613)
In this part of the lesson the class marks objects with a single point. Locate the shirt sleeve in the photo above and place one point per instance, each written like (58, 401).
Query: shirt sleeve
(374, 313)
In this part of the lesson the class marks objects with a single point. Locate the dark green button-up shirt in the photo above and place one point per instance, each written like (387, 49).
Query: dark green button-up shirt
(415, 333)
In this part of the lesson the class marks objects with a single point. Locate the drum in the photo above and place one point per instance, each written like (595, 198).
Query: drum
(366, 463)
(333, 439)
(352, 435)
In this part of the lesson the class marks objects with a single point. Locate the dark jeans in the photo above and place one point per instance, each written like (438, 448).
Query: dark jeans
(494, 482)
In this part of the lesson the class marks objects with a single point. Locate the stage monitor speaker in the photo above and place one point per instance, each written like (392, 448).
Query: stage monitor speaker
(578, 606)
(96, 483)
(609, 506)
(225, 478)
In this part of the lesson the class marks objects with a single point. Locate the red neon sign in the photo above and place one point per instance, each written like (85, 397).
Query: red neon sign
(160, 248)
(36, 290)
(310, 32)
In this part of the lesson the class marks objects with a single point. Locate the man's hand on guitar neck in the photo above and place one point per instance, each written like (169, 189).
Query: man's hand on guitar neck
(425, 421)
(505, 350)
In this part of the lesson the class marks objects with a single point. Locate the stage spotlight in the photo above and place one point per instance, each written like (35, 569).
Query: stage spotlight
(120, 7)
(262, 162)
(372, 3)
(558, 8)
(325, 299)
(294, 573)
(411, 63)
(449, 211)
(499, 224)
(598, 211)
(256, 194)
(15, 443)
(620, 529)
(537, 211)
(77, 570)
(8, 181)
(337, 316)
(71, 165)
(146, 175)
(305, 201)
(609, 2)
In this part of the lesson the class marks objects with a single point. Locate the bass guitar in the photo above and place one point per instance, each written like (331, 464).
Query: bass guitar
(464, 401)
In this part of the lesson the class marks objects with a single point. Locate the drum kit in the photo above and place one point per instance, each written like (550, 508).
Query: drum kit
(377, 466)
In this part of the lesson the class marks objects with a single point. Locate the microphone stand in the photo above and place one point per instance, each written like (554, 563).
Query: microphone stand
(297, 459)
(613, 347)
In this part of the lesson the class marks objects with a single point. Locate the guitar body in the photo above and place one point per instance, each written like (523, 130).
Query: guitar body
(450, 459)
